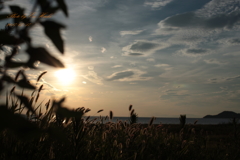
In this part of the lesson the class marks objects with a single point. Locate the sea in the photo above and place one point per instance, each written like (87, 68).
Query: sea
(146, 120)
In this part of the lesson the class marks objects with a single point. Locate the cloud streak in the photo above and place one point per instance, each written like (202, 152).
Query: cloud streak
(93, 77)
(123, 33)
(157, 4)
(142, 48)
(128, 75)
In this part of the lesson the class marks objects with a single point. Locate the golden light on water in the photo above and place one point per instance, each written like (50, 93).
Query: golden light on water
(65, 76)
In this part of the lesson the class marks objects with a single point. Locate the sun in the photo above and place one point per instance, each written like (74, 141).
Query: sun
(65, 76)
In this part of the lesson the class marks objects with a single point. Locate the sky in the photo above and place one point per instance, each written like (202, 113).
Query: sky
(165, 57)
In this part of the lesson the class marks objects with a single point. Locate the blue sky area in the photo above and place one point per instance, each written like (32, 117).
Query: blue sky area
(165, 57)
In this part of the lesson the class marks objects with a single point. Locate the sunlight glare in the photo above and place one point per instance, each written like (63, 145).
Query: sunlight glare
(66, 76)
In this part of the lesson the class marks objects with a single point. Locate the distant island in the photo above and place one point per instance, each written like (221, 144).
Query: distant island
(224, 114)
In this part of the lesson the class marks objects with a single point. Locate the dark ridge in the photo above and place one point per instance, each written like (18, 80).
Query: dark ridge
(224, 114)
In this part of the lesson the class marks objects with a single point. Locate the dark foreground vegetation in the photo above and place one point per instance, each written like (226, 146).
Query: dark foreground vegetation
(60, 133)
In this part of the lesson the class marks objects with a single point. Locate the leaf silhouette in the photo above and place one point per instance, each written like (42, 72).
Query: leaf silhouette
(8, 79)
(52, 30)
(8, 39)
(16, 9)
(44, 4)
(25, 84)
(3, 16)
(42, 55)
(12, 64)
(63, 6)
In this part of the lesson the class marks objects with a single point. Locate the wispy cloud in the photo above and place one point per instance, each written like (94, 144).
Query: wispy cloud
(224, 79)
(103, 50)
(120, 75)
(162, 65)
(142, 48)
(232, 78)
(194, 52)
(91, 67)
(171, 94)
(157, 3)
(203, 25)
(234, 41)
(128, 75)
(93, 77)
(90, 38)
(150, 60)
(214, 61)
(123, 33)
(117, 66)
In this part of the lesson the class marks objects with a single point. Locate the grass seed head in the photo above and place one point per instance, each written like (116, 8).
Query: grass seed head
(100, 111)
(132, 112)
(87, 118)
(12, 90)
(130, 107)
(106, 118)
(111, 114)
(87, 110)
(40, 88)
(40, 76)
(151, 121)
(37, 97)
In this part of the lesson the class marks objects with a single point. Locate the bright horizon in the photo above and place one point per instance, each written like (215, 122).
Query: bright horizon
(165, 57)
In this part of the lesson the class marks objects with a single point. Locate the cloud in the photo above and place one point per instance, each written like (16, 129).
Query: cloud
(117, 66)
(218, 7)
(113, 57)
(36, 64)
(194, 52)
(224, 80)
(213, 80)
(93, 77)
(120, 75)
(202, 26)
(234, 41)
(214, 61)
(165, 66)
(90, 38)
(91, 67)
(162, 65)
(123, 33)
(150, 60)
(234, 95)
(103, 50)
(192, 19)
(128, 75)
(174, 94)
(135, 54)
(47, 86)
(157, 4)
(141, 47)
(232, 78)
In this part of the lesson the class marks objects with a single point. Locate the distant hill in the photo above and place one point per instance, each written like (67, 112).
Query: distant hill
(224, 114)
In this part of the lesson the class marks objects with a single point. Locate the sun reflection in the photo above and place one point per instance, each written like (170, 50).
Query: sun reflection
(65, 76)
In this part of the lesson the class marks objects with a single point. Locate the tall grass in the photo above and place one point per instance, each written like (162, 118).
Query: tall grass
(54, 132)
